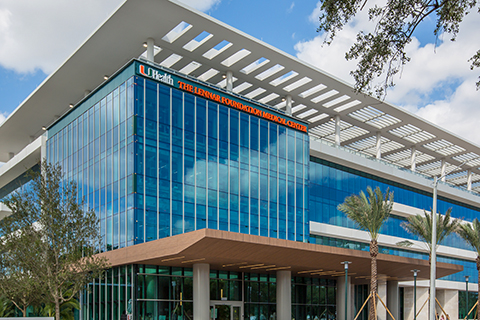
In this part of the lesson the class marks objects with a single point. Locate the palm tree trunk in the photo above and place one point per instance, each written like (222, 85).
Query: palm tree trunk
(373, 279)
(478, 299)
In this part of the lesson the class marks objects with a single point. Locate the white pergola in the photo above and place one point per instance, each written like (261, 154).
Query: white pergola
(204, 48)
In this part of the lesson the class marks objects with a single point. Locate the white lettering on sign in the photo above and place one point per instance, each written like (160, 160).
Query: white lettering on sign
(154, 74)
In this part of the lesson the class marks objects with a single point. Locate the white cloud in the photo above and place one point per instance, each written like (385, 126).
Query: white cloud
(437, 84)
(202, 5)
(3, 117)
(40, 35)
(290, 9)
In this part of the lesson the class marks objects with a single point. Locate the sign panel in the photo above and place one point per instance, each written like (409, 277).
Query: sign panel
(217, 96)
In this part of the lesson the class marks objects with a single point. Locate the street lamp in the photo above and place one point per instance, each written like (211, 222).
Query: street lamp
(466, 296)
(433, 266)
(346, 263)
(415, 273)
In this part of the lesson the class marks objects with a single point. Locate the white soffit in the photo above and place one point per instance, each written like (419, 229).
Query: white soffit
(192, 42)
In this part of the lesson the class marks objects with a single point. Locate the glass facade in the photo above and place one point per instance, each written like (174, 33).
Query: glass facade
(96, 150)
(154, 161)
(331, 183)
(159, 292)
(200, 164)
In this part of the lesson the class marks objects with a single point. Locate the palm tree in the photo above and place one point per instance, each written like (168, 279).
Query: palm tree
(471, 234)
(370, 213)
(421, 226)
(6, 308)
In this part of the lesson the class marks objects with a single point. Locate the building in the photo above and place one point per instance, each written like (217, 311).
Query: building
(216, 162)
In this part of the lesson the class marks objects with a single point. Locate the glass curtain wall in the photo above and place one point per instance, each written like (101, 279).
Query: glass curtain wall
(199, 164)
(331, 183)
(110, 297)
(96, 150)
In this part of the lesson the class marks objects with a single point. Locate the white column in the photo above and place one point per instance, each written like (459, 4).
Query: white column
(229, 80)
(341, 299)
(412, 159)
(379, 145)
(288, 108)
(150, 51)
(469, 180)
(422, 297)
(201, 291)
(393, 298)
(449, 301)
(284, 295)
(43, 148)
(337, 130)
(443, 168)
(382, 293)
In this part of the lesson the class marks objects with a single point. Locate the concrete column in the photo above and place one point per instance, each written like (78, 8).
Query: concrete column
(382, 293)
(337, 130)
(379, 145)
(229, 80)
(393, 299)
(341, 299)
(413, 159)
(422, 296)
(201, 291)
(284, 295)
(449, 301)
(150, 51)
(469, 180)
(444, 166)
(288, 108)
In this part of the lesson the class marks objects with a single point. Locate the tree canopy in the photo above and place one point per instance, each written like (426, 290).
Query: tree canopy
(49, 240)
(382, 52)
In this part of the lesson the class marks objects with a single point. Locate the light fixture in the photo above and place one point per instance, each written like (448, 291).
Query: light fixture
(283, 99)
(171, 259)
(145, 44)
(44, 128)
(105, 77)
(224, 76)
(71, 105)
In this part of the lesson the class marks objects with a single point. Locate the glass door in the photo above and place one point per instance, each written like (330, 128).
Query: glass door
(225, 310)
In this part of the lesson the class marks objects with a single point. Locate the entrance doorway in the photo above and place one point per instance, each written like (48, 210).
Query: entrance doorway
(226, 310)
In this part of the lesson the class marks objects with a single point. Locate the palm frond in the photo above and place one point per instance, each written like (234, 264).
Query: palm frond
(369, 211)
(471, 234)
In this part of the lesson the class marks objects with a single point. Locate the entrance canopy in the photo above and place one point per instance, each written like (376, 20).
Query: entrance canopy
(232, 251)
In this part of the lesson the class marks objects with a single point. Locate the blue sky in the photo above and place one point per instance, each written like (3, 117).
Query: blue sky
(437, 85)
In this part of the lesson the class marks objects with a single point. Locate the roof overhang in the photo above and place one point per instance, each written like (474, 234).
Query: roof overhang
(232, 251)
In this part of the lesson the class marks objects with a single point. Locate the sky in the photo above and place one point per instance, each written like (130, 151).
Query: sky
(437, 85)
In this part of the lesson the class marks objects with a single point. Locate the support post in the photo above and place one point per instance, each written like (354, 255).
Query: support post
(150, 51)
(288, 108)
(201, 291)
(337, 130)
(379, 145)
(469, 180)
(229, 80)
(443, 168)
(413, 159)
(284, 295)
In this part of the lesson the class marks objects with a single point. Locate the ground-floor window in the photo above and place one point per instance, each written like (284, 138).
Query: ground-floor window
(146, 292)
(313, 298)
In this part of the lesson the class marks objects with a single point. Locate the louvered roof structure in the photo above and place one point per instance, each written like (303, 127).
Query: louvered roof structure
(197, 45)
